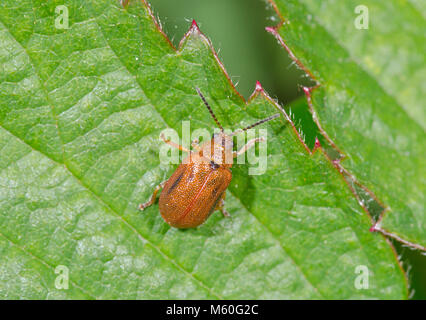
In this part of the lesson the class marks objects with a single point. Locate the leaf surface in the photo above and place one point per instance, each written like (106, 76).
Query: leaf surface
(81, 110)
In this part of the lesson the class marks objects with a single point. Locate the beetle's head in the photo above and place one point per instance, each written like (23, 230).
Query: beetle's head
(220, 149)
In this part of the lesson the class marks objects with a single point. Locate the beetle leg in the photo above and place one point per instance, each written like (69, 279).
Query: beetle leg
(249, 144)
(221, 207)
(174, 145)
(142, 206)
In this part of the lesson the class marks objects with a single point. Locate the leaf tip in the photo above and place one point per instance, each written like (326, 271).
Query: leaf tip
(194, 29)
(194, 26)
(272, 30)
(317, 144)
(258, 87)
(307, 91)
(374, 228)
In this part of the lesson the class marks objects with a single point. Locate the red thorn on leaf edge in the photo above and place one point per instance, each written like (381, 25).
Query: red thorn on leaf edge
(307, 91)
(270, 29)
(373, 228)
(258, 86)
(336, 162)
(317, 143)
(194, 25)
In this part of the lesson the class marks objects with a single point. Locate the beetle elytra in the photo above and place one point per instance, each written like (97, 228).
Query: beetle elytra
(197, 188)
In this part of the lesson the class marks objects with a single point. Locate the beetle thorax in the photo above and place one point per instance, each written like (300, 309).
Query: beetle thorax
(219, 149)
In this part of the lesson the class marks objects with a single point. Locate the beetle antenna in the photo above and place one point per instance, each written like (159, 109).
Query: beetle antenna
(257, 123)
(209, 108)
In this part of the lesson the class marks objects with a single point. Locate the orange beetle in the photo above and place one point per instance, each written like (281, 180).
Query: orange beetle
(197, 188)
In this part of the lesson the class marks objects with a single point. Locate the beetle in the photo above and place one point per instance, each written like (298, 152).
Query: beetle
(197, 188)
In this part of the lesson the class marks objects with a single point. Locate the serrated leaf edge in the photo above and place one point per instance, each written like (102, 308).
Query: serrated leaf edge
(375, 224)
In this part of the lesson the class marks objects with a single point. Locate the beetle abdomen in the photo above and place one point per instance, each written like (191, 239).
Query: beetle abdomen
(192, 193)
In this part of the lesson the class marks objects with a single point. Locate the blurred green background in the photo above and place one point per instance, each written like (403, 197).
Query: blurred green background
(237, 31)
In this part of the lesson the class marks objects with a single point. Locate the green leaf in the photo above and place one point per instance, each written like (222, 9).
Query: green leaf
(81, 112)
(370, 100)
